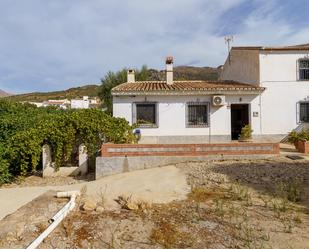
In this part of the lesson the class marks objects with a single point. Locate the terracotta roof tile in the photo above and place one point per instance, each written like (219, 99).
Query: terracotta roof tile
(182, 86)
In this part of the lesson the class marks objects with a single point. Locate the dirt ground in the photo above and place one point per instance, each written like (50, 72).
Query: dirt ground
(236, 204)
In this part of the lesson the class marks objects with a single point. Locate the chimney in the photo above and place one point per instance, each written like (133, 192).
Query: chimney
(131, 76)
(169, 70)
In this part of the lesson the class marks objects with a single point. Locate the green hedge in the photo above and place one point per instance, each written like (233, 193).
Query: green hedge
(24, 129)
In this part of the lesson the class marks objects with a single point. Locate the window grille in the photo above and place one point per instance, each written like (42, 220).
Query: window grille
(304, 69)
(304, 112)
(198, 114)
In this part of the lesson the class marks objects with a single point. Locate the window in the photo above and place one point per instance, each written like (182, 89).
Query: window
(145, 114)
(304, 69)
(197, 114)
(304, 111)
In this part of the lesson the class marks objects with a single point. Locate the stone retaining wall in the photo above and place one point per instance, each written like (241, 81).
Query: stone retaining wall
(119, 158)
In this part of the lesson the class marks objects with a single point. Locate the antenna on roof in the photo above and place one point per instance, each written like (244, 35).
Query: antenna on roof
(228, 40)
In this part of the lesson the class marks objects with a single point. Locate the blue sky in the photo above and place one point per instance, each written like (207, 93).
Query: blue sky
(56, 44)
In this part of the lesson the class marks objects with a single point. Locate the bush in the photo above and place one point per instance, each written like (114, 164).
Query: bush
(246, 133)
(26, 128)
(295, 136)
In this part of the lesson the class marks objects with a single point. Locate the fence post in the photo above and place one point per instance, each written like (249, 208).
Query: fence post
(82, 159)
(46, 160)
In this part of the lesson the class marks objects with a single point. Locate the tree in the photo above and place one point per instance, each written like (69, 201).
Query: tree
(113, 79)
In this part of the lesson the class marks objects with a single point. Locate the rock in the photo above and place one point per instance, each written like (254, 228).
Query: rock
(132, 206)
(20, 228)
(10, 237)
(89, 205)
(100, 209)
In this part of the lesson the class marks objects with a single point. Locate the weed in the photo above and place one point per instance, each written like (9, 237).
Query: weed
(291, 190)
(241, 193)
(167, 235)
(200, 194)
(219, 209)
(102, 194)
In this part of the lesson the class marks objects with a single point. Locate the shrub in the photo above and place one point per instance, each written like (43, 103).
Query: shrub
(295, 136)
(26, 128)
(246, 133)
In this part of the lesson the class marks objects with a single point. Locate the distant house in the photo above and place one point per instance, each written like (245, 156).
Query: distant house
(266, 87)
(61, 103)
(80, 103)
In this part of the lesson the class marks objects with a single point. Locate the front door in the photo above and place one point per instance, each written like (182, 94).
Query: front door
(239, 118)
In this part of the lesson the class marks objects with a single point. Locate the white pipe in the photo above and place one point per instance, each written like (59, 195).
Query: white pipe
(57, 218)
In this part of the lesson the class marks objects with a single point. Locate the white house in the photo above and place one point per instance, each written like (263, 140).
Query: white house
(80, 103)
(266, 87)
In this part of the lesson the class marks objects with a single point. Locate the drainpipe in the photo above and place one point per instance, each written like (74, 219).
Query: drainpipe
(58, 217)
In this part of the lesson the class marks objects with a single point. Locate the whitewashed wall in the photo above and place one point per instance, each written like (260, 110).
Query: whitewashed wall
(279, 74)
(243, 66)
(172, 114)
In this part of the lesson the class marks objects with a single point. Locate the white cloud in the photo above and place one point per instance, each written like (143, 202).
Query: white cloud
(56, 44)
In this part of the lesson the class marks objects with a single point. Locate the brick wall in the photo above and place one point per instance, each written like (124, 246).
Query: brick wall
(133, 150)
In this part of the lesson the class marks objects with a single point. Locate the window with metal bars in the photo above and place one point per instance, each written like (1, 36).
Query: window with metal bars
(304, 112)
(198, 114)
(304, 69)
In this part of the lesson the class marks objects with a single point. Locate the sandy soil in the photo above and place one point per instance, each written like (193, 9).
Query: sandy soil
(235, 204)
(151, 185)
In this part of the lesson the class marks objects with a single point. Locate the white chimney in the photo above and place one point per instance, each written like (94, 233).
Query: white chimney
(131, 76)
(169, 70)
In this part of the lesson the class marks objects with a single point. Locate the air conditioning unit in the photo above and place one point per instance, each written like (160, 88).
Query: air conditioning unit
(218, 100)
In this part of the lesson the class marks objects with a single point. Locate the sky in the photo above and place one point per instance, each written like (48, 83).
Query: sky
(48, 45)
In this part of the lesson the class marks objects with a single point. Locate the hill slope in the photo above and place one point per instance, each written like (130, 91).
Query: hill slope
(187, 73)
(4, 94)
(180, 73)
(76, 92)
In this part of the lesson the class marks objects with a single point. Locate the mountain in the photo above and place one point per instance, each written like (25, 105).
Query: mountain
(187, 73)
(180, 73)
(4, 94)
(76, 92)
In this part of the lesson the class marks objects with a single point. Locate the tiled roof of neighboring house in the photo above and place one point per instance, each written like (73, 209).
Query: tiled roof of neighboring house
(283, 48)
(183, 87)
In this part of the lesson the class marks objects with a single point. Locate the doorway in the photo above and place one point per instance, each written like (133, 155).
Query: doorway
(239, 118)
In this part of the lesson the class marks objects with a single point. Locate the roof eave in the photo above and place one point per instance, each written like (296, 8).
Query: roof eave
(184, 93)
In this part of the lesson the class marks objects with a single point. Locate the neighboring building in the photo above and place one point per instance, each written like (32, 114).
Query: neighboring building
(61, 103)
(80, 103)
(284, 72)
(266, 87)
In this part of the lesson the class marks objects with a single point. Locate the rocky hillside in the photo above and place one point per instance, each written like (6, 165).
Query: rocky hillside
(76, 92)
(188, 73)
(3, 93)
(180, 73)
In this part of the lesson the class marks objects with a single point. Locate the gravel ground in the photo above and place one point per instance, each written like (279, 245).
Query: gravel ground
(234, 204)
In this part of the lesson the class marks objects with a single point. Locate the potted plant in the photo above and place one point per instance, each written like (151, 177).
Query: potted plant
(299, 138)
(246, 134)
(303, 142)
(293, 138)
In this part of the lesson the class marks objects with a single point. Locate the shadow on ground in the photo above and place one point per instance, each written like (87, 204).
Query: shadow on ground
(268, 175)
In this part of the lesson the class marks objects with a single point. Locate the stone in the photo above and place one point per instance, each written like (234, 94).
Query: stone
(20, 228)
(89, 205)
(100, 209)
(10, 237)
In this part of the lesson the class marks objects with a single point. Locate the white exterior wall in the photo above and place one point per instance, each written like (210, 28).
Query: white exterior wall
(243, 66)
(79, 104)
(279, 74)
(172, 114)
